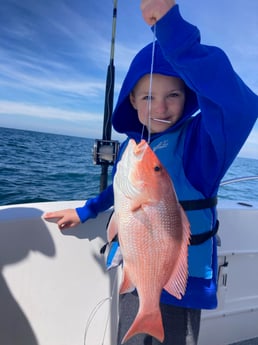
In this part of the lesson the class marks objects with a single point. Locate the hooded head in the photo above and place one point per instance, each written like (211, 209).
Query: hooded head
(125, 117)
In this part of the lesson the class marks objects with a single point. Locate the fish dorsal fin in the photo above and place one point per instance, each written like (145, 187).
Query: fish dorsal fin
(176, 284)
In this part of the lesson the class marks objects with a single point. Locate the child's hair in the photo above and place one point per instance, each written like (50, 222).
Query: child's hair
(125, 118)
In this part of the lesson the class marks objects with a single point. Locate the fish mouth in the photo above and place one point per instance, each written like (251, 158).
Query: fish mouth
(137, 155)
(125, 169)
(139, 150)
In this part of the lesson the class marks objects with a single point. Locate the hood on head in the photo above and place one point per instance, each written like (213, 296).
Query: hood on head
(125, 118)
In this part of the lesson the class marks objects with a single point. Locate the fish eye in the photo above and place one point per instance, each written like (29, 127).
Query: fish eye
(157, 168)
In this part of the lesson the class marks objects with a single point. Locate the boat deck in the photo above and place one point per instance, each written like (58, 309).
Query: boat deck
(51, 275)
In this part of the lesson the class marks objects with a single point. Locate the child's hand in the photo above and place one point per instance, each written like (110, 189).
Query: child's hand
(64, 219)
(153, 10)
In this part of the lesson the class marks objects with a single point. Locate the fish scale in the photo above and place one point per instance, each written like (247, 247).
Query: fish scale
(153, 232)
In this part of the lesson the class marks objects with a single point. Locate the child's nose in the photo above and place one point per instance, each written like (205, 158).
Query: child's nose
(160, 106)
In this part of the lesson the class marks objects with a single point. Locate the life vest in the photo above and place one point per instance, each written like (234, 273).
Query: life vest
(201, 212)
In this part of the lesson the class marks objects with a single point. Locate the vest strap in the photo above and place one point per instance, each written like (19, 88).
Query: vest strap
(201, 238)
(199, 204)
(189, 205)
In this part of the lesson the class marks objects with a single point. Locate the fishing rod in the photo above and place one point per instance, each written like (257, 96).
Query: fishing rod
(239, 179)
(105, 150)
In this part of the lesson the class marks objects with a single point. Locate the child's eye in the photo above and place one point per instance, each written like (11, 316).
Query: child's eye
(147, 98)
(173, 95)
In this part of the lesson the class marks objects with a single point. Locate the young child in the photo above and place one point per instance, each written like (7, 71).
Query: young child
(201, 115)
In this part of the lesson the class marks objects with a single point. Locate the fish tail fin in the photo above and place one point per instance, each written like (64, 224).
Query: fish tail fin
(150, 323)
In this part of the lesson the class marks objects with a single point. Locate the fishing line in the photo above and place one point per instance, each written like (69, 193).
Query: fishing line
(97, 308)
(150, 86)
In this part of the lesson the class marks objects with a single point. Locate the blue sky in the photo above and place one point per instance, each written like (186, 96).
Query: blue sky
(54, 56)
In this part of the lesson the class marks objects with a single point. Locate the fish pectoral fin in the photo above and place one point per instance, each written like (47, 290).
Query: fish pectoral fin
(148, 323)
(126, 285)
(176, 284)
(112, 229)
(135, 206)
(143, 205)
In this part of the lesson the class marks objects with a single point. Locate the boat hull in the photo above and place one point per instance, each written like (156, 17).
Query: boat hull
(53, 283)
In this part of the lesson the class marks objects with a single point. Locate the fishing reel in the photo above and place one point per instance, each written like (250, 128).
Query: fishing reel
(105, 151)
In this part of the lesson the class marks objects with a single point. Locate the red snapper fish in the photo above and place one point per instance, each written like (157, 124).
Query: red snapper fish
(153, 233)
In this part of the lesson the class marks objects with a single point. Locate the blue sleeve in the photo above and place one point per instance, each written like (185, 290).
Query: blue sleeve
(105, 199)
(96, 205)
(228, 108)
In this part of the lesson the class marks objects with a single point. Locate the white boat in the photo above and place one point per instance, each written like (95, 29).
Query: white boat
(55, 289)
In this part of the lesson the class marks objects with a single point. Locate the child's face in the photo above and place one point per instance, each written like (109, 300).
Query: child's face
(167, 101)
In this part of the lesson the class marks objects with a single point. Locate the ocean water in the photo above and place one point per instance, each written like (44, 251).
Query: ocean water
(37, 167)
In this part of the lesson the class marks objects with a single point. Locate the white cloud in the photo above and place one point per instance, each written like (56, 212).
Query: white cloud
(57, 52)
(45, 112)
(17, 78)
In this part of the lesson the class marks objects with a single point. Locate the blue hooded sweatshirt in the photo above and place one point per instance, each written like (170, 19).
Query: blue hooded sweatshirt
(224, 110)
